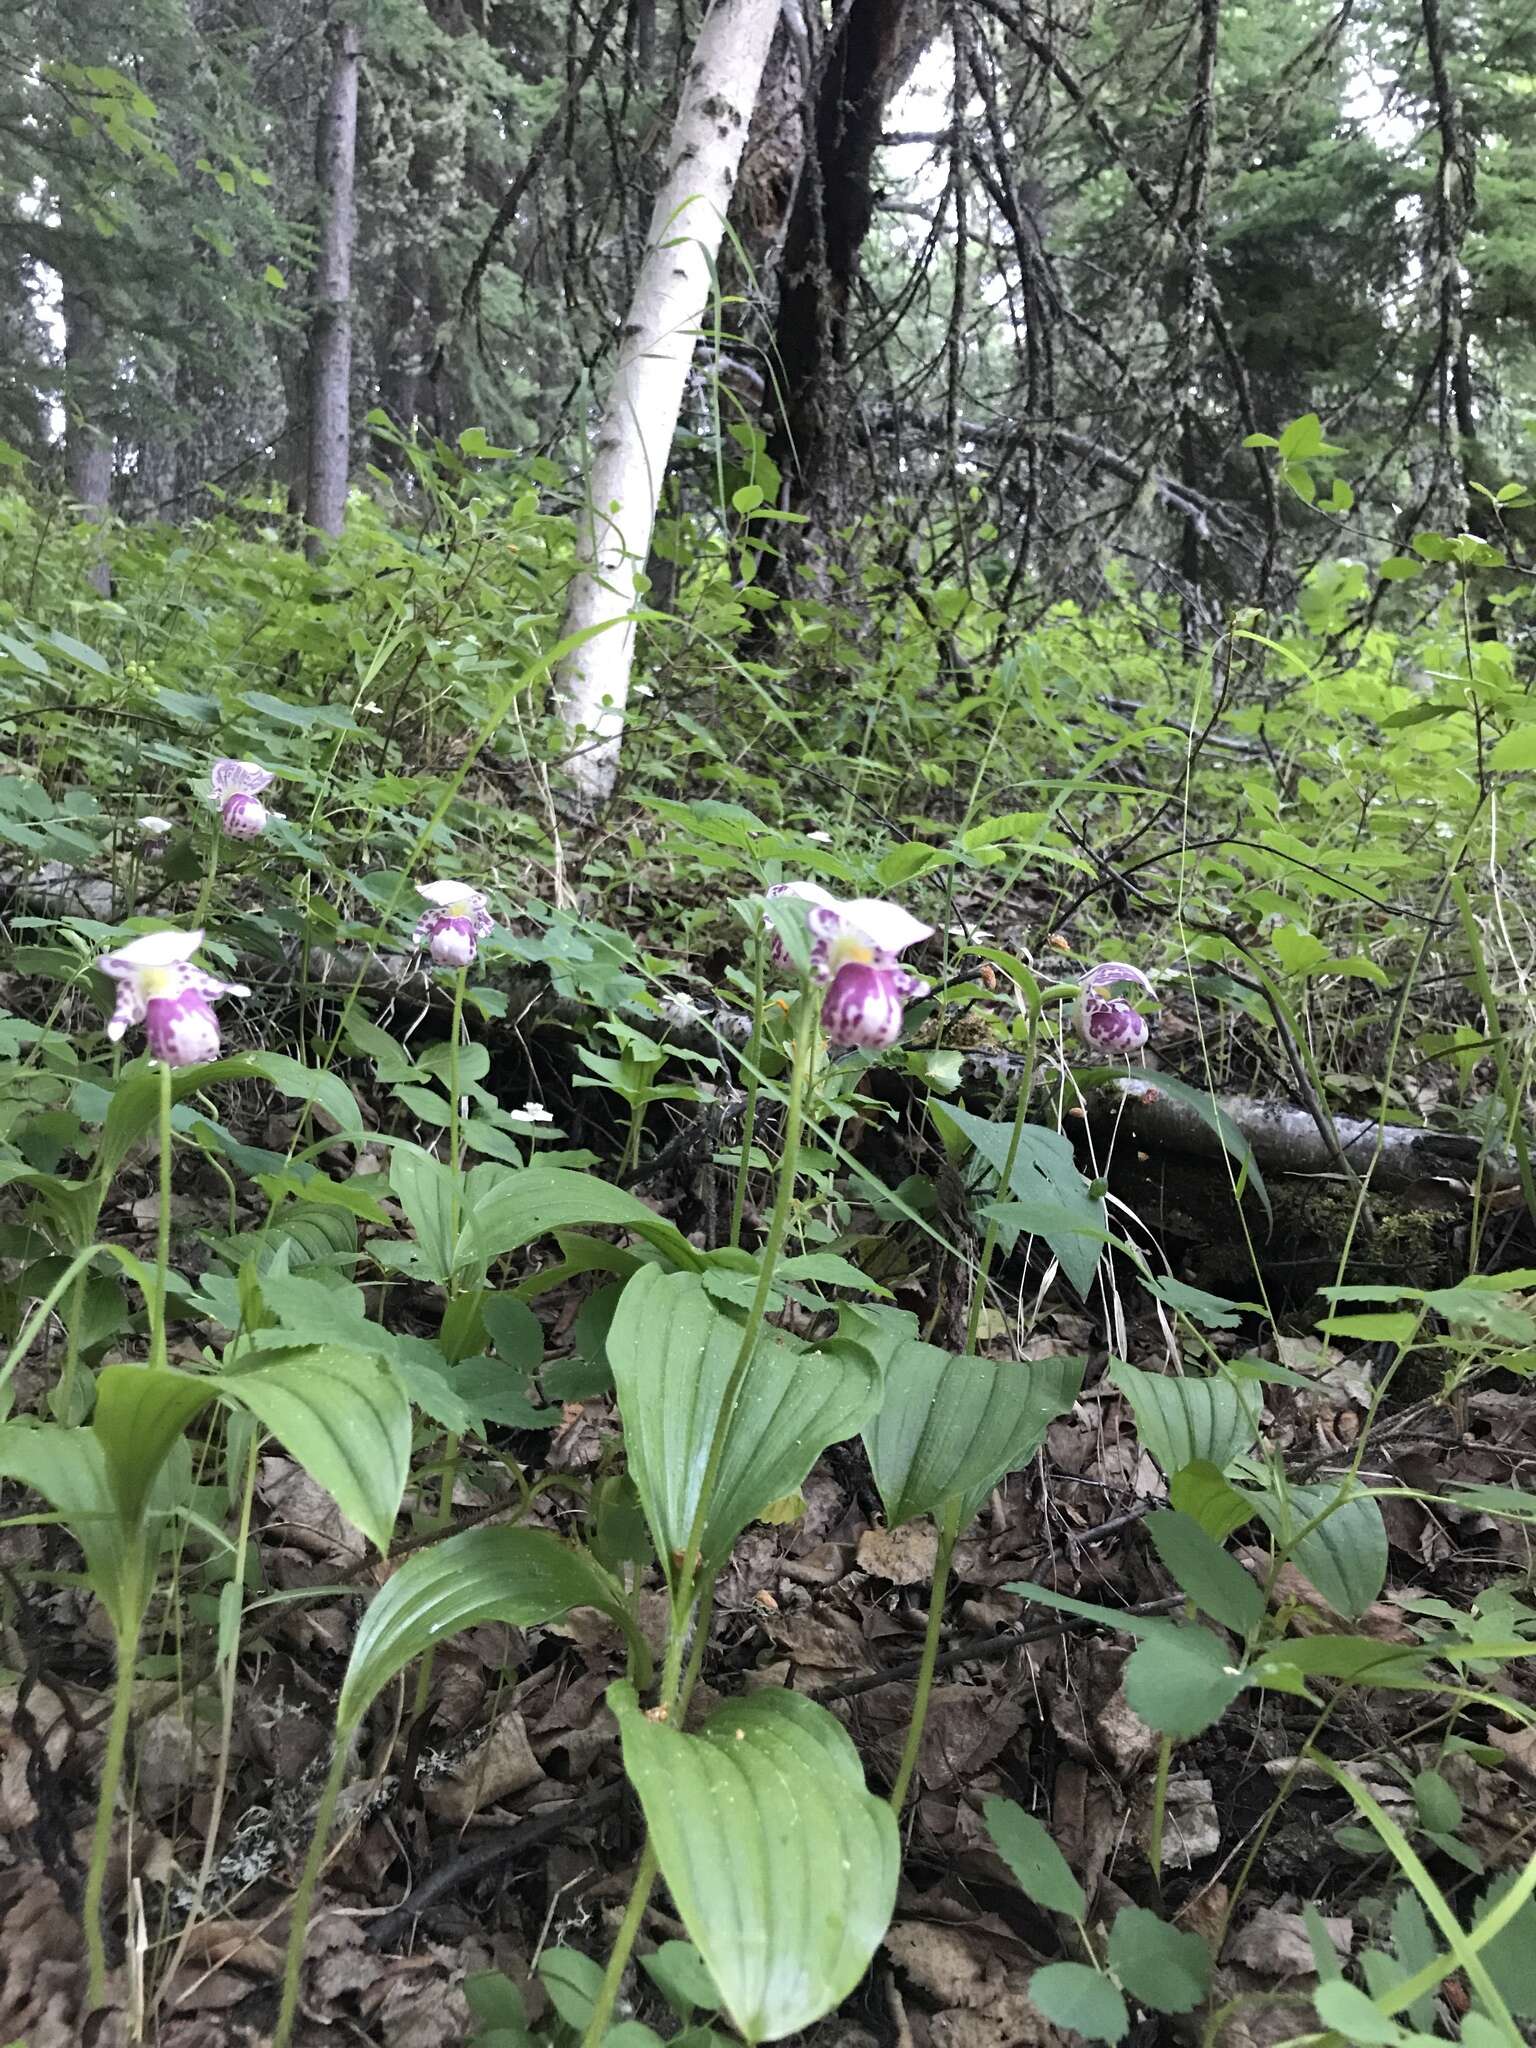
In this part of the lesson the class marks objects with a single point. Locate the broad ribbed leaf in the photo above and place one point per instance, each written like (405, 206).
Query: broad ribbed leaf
(1181, 1421)
(673, 1349)
(541, 1200)
(140, 1412)
(68, 1467)
(1345, 1556)
(519, 1576)
(950, 1427)
(344, 1416)
(135, 1104)
(780, 1862)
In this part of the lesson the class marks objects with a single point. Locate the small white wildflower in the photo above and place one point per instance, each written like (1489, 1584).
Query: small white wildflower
(156, 828)
(533, 1113)
(821, 838)
(370, 706)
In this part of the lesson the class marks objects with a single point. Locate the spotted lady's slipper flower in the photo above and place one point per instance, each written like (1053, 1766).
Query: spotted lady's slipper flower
(855, 949)
(237, 787)
(453, 928)
(159, 988)
(1107, 1023)
(153, 833)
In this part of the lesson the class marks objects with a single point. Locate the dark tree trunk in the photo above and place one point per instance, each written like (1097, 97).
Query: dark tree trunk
(833, 208)
(330, 343)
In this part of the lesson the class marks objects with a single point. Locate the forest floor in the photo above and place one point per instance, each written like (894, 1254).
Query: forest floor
(494, 1826)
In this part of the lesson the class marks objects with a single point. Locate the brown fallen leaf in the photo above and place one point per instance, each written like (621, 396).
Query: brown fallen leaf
(495, 1769)
(904, 1555)
(1276, 1944)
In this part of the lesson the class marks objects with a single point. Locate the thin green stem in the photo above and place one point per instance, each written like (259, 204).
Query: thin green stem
(106, 1806)
(303, 1898)
(1159, 1811)
(754, 1067)
(163, 1230)
(949, 1534)
(455, 1134)
(205, 894)
(618, 1961)
(1016, 1138)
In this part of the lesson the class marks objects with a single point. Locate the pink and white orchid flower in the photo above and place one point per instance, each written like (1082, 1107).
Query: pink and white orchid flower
(1107, 1023)
(455, 925)
(237, 787)
(159, 988)
(855, 949)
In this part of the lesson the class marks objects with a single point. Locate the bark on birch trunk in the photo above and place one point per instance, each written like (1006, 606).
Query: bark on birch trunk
(634, 437)
(330, 344)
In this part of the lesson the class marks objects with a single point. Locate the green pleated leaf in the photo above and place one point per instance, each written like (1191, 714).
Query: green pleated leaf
(540, 1200)
(69, 1468)
(1345, 1556)
(1073, 1995)
(951, 1427)
(781, 1863)
(1186, 1421)
(520, 1576)
(673, 1349)
(344, 1416)
(140, 1412)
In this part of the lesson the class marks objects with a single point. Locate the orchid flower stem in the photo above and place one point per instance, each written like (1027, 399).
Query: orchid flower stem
(754, 1065)
(1159, 1811)
(303, 1898)
(1005, 1185)
(624, 1942)
(205, 894)
(949, 1535)
(455, 1109)
(106, 1807)
(163, 1221)
(805, 1031)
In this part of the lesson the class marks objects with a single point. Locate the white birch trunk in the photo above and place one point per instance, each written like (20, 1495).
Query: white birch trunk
(330, 345)
(634, 437)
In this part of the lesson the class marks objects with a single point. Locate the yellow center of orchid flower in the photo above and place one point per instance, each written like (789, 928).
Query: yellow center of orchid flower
(846, 950)
(155, 982)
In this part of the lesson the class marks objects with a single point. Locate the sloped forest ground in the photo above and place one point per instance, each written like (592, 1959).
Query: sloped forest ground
(1317, 859)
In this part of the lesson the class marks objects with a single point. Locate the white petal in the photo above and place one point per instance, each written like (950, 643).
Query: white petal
(445, 892)
(886, 926)
(156, 826)
(155, 949)
(808, 892)
(1112, 974)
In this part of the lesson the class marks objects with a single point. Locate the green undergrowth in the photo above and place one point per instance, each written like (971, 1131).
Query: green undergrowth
(1311, 835)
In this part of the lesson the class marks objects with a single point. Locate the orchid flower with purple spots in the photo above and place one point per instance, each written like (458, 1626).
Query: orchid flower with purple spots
(453, 928)
(1107, 1023)
(855, 949)
(159, 988)
(237, 787)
